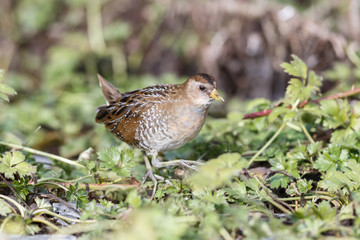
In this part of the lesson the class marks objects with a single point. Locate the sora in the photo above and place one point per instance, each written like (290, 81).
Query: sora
(158, 118)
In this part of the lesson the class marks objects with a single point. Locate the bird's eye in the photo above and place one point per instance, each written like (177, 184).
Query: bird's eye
(202, 87)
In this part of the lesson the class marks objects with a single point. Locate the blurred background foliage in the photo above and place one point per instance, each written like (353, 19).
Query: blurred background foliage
(52, 51)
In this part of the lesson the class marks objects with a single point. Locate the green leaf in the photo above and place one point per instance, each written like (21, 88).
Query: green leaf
(355, 122)
(336, 112)
(133, 199)
(119, 161)
(304, 185)
(325, 211)
(279, 180)
(314, 82)
(332, 157)
(4, 97)
(345, 179)
(312, 109)
(23, 187)
(276, 112)
(284, 163)
(4, 208)
(14, 162)
(109, 157)
(32, 229)
(151, 223)
(296, 68)
(312, 148)
(7, 89)
(304, 85)
(42, 203)
(77, 195)
(217, 171)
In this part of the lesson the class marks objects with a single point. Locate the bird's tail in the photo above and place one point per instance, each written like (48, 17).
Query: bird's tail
(109, 91)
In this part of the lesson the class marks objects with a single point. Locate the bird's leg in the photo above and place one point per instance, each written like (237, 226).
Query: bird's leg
(180, 162)
(150, 174)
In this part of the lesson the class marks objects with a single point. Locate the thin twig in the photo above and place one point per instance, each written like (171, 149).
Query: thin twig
(285, 173)
(267, 112)
(41, 153)
(93, 186)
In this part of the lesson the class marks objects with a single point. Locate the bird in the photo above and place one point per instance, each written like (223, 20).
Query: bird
(158, 118)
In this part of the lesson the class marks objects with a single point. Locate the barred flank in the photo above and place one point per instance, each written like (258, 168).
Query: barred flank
(102, 114)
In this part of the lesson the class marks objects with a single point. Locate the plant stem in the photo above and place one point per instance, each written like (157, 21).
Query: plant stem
(41, 153)
(103, 186)
(305, 197)
(268, 143)
(64, 180)
(306, 132)
(18, 205)
(57, 185)
(42, 220)
(95, 31)
(45, 211)
(225, 234)
(266, 112)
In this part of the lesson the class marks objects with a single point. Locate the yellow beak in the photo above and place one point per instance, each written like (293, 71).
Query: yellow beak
(215, 95)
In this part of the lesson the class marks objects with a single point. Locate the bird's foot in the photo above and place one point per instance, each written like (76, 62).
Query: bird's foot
(149, 174)
(193, 165)
(154, 177)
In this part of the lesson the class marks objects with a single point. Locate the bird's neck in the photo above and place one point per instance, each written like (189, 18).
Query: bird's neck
(201, 109)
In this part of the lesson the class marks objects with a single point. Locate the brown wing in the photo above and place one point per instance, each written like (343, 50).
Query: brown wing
(122, 116)
(121, 121)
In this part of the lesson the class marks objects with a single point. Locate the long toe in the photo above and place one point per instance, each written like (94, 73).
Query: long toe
(161, 178)
(181, 162)
(149, 174)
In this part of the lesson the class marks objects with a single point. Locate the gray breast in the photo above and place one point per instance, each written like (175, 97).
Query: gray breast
(163, 130)
(152, 132)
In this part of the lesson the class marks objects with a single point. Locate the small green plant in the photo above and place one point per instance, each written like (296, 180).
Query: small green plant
(119, 162)
(5, 90)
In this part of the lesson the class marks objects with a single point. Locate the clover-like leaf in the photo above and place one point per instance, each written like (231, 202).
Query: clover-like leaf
(43, 203)
(14, 162)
